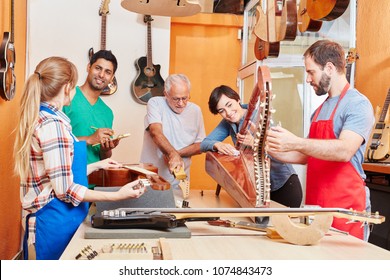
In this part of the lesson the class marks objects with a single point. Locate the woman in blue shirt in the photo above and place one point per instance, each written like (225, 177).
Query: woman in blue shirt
(286, 188)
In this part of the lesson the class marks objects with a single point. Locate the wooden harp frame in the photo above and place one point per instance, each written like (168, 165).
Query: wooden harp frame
(247, 177)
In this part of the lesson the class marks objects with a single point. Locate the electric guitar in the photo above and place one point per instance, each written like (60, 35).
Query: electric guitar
(280, 218)
(351, 59)
(112, 87)
(378, 149)
(148, 82)
(7, 62)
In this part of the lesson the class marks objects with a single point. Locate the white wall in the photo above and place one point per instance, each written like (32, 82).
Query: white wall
(69, 28)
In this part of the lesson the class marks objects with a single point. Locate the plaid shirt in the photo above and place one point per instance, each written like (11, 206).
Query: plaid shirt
(51, 158)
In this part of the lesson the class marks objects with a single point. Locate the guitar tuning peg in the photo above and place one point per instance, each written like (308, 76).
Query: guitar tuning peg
(273, 96)
(272, 111)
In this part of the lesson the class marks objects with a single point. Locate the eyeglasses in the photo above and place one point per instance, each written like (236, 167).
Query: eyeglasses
(178, 99)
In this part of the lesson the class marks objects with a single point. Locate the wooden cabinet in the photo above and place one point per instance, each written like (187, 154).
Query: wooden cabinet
(207, 49)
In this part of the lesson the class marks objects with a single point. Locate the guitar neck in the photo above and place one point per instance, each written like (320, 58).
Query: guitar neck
(12, 39)
(385, 108)
(149, 53)
(103, 33)
(185, 213)
(348, 73)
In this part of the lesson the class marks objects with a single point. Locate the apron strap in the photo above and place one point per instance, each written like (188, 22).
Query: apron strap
(26, 234)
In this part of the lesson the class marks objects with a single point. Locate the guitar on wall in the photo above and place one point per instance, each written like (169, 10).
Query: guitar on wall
(378, 149)
(112, 87)
(7, 62)
(351, 59)
(305, 23)
(278, 23)
(148, 82)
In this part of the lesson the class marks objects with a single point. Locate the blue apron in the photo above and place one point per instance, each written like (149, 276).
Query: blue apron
(57, 221)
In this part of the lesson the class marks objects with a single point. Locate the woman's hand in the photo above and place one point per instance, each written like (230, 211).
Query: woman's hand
(134, 189)
(105, 163)
(108, 163)
(226, 149)
(245, 139)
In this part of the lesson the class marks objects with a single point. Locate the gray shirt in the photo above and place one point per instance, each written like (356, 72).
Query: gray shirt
(354, 113)
(181, 130)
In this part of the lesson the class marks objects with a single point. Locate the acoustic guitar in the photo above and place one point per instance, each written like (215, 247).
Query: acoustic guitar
(379, 147)
(116, 177)
(271, 22)
(326, 10)
(7, 62)
(112, 87)
(305, 23)
(148, 82)
(265, 49)
(292, 20)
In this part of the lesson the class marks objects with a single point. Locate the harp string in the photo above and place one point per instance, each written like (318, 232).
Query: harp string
(252, 150)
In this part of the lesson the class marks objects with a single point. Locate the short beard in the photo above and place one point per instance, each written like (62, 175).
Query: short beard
(323, 85)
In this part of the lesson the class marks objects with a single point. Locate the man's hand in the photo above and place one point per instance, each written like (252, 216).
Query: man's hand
(175, 162)
(101, 135)
(107, 145)
(281, 140)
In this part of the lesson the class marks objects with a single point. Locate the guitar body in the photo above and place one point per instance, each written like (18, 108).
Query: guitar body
(265, 49)
(378, 149)
(291, 24)
(7, 63)
(326, 10)
(271, 25)
(148, 82)
(305, 23)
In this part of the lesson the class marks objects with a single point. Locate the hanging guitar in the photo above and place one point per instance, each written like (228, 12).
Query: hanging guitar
(271, 22)
(148, 82)
(378, 149)
(112, 87)
(351, 59)
(305, 23)
(265, 49)
(326, 10)
(7, 62)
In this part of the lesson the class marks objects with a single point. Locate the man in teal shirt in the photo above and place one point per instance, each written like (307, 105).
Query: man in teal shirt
(90, 117)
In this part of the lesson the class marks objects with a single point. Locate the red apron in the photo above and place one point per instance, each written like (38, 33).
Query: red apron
(332, 183)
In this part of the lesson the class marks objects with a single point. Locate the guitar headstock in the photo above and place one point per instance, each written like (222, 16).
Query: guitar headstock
(352, 56)
(104, 8)
(353, 215)
(147, 18)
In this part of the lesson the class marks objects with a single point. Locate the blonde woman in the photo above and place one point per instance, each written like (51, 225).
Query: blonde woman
(52, 163)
